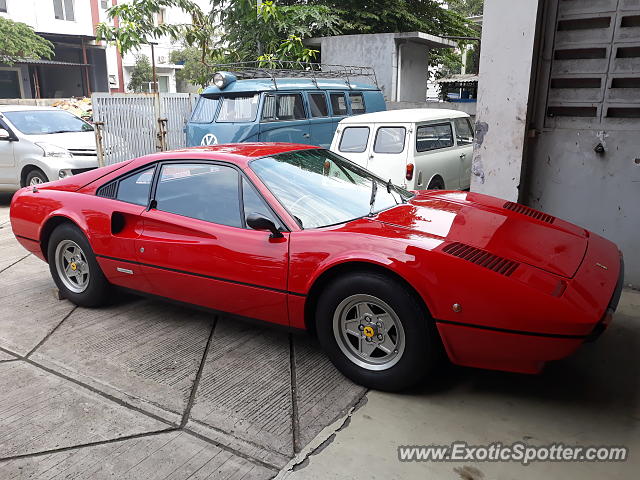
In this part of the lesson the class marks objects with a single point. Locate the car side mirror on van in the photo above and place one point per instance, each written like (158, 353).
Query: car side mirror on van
(5, 135)
(260, 222)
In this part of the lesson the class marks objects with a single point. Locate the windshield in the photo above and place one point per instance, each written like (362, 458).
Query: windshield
(319, 188)
(43, 122)
(239, 109)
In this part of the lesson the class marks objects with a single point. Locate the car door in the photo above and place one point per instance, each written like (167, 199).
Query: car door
(353, 142)
(321, 125)
(196, 248)
(284, 119)
(8, 170)
(464, 142)
(388, 153)
(436, 156)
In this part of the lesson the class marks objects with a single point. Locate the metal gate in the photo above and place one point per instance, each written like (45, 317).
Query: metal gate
(130, 125)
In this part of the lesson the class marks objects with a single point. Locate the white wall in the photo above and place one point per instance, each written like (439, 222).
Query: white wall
(40, 16)
(506, 57)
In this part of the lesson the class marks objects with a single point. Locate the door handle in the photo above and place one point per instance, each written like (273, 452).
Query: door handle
(306, 135)
(462, 155)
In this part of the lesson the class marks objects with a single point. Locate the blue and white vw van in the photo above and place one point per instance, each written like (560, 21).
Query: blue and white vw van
(297, 110)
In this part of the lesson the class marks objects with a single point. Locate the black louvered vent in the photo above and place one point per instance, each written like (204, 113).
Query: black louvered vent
(481, 257)
(108, 190)
(516, 207)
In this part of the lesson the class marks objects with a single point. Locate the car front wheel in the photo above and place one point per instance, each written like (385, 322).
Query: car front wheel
(376, 332)
(74, 267)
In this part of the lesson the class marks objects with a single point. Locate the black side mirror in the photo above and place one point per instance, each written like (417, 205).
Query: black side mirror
(260, 222)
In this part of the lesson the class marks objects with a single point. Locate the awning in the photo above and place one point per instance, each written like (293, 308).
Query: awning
(467, 78)
(41, 61)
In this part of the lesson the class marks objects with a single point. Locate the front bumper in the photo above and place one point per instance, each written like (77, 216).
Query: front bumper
(611, 307)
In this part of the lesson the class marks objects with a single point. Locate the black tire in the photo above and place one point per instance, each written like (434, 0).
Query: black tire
(98, 289)
(34, 174)
(436, 183)
(422, 346)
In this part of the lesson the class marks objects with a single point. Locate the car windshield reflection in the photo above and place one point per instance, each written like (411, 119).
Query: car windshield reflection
(319, 188)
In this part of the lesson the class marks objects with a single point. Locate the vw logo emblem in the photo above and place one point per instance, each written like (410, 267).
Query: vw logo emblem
(209, 139)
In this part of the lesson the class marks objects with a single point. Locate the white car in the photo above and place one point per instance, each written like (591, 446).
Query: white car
(418, 148)
(42, 144)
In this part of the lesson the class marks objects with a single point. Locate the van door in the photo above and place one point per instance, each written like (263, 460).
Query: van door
(353, 142)
(339, 109)
(464, 142)
(283, 119)
(388, 152)
(321, 126)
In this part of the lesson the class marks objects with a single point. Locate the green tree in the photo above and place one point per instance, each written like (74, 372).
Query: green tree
(468, 8)
(18, 41)
(141, 75)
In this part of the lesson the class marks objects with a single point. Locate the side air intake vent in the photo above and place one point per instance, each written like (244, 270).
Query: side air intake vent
(481, 257)
(516, 207)
(108, 190)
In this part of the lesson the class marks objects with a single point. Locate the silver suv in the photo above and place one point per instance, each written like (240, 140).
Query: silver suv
(42, 144)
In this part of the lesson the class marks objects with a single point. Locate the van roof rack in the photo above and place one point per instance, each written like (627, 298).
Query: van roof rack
(274, 69)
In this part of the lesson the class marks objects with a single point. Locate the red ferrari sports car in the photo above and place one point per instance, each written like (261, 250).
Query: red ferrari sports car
(298, 236)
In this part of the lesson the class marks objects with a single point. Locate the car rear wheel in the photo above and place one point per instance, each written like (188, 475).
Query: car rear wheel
(36, 177)
(376, 332)
(436, 184)
(74, 267)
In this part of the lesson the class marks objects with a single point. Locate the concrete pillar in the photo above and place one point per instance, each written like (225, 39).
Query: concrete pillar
(506, 62)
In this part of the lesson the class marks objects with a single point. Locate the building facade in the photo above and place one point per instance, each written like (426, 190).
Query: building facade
(81, 65)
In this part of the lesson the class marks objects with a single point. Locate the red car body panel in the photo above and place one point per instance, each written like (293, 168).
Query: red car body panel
(554, 297)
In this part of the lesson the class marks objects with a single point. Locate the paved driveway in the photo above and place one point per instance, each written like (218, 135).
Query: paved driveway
(145, 389)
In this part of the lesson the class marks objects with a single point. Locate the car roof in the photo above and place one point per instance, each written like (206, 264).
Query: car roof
(409, 115)
(18, 108)
(237, 153)
(268, 85)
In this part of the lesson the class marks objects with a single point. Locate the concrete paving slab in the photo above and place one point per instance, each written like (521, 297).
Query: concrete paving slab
(40, 411)
(245, 389)
(28, 309)
(144, 349)
(10, 250)
(174, 455)
(591, 398)
(323, 394)
(5, 356)
(5, 201)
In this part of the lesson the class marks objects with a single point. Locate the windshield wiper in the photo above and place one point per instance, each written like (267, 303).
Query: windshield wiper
(374, 190)
(391, 186)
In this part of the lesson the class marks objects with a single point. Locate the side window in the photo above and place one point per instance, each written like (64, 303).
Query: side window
(464, 132)
(283, 107)
(253, 202)
(357, 103)
(135, 188)
(318, 105)
(389, 140)
(200, 190)
(338, 104)
(354, 140)
(205, 110)
(432, 137)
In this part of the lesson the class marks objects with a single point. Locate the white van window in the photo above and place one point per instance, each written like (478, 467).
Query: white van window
(354, 140)
(464, 132)
(205, 110)
(283, 107)
(389, 140)
(338, 104)
(318, 104)
(357, 103)
(239, 109)
(432, 137)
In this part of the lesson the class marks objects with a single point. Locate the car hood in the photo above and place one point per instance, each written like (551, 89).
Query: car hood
(68, 140)
(483, 222)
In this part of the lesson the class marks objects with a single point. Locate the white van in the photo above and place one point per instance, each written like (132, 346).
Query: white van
(418, 148)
